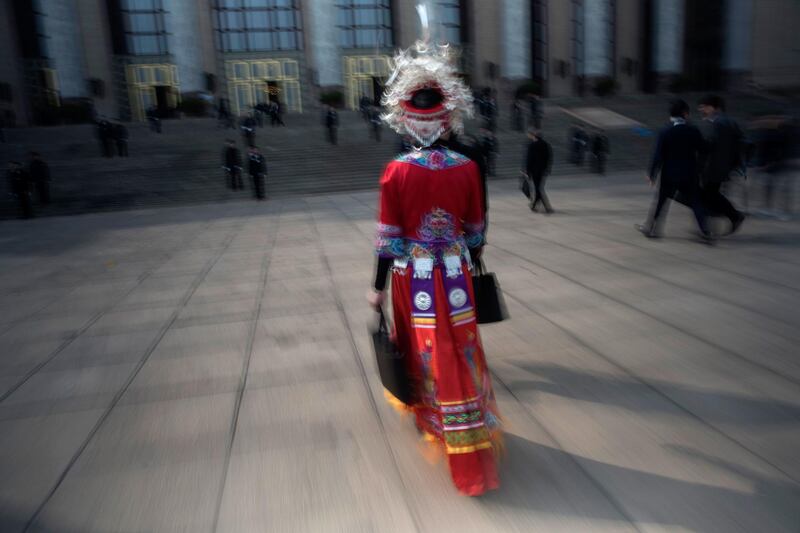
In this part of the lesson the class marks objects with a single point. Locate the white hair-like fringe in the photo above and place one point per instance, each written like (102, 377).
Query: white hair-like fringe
(419, 67)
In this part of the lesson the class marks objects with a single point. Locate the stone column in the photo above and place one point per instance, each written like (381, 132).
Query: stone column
(598, 60)
(324, 41)
(516, 32)
(182, 22)
(64, 46)
(737, 55)
(668, 43)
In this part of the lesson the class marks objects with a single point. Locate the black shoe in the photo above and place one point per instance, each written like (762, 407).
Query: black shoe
(646, 231)
(736, 224)
(549, 211)
(706, 237)
(532, 206)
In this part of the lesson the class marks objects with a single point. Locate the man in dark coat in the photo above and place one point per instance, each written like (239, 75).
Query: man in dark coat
(490, 149)
(538, 160)
(724, 140)
(232, 163)
(19, 184)
(40, 176)
(121, 138)
(248, 127)
(332, 124)
(257, 168)
(600, 150)
(677, 158)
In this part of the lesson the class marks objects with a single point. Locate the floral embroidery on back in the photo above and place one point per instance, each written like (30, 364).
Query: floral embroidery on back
(434, 159)
(437, 225)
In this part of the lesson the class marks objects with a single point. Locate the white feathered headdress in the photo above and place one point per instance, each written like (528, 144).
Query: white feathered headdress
(425, 97)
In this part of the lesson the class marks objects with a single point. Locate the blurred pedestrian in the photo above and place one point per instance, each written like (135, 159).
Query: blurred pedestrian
(258, 113)
(724, 142)
(105, 135)
(578, 142)
(490, 148)
(538, 161)
(153, 119)
(277, 113)
(120, 134)
(600, 151)
(332, 124)
(19, 185)
(375, 122)
(248, 127)
(364, 104)
(232, 163)
(676, 158)
(257, 168)
(39, 173)
(517, 115)
(537, 111)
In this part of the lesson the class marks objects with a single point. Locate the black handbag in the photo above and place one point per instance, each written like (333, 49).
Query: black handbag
(489, 303)
(525, 186)
(391, 363)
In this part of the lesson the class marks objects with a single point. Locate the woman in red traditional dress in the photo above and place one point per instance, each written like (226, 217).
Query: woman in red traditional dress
(430, 228)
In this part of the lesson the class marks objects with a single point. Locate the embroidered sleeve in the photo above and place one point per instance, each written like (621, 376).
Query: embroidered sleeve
(389, 241)
(474, 226)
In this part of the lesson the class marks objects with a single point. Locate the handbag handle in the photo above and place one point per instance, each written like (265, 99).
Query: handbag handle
(480, 269)
(383, 327)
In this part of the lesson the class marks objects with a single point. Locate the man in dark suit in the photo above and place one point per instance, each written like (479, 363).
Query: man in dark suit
(724, 140)
(677, 155)
(232, 163)
(538, 159)
(257, 168)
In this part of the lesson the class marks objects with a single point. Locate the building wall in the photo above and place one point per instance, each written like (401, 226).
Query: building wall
(96, 44)
(486, 42)
(320, 21)
(668, 43)
(560, 32)
(64, 47)
(10, 66)
(598, 50)
(516, 39)
(182, 23)
(776, 47)
(628, 38)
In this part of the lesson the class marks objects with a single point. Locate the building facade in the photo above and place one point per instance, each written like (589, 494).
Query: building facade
(125, 57)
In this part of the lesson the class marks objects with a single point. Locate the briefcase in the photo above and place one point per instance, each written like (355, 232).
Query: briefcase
(391, 363)
(490, 306)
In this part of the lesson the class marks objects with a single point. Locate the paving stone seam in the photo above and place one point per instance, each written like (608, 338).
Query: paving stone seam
(596, 483)
(662, 251)
(92, 320)
(358, 358)
(678, 328)
(134, 373)
(653, 388)
(243, 377)
(620, 266)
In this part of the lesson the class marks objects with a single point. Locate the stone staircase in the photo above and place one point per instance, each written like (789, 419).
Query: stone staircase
(182, 165)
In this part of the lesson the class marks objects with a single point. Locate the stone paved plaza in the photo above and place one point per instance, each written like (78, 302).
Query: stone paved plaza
(207, 368)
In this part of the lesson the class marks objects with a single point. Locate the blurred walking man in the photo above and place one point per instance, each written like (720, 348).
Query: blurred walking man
(40, 177)
(19, 183)
(232, 163)
(676, 157)
(257, 168)
(724, 140)
(538, 159)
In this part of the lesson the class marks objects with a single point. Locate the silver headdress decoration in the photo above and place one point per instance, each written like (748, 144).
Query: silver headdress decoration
(426, 66)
